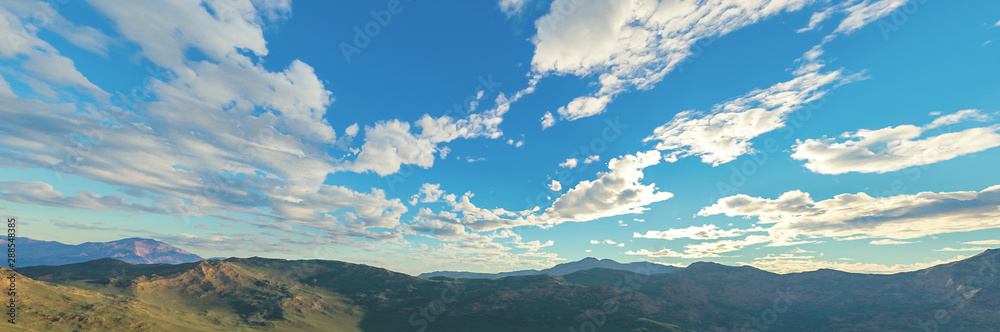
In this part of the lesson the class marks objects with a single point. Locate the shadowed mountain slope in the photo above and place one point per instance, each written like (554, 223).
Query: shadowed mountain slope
(309, 295)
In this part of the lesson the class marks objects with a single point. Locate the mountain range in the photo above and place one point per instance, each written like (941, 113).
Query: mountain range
(243, 294)
(32, 252)
(563, 269)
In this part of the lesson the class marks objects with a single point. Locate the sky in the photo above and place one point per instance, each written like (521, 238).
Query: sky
(790, 135)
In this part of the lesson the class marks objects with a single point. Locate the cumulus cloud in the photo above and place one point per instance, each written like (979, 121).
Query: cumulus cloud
(704, 232)
(548, 120)
(895, 148)
(592, 159)
(555, 186)
(221, 133)
(724, 134)
(569, 163)
(632, 44)
(428, 193)
(615, 192)
(858, 216)
(390, 144)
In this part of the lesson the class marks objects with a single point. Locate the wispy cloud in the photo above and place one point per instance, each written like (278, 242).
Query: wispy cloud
(859, 216)
(894, 148)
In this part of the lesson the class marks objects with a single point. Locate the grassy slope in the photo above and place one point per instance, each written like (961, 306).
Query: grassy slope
(206, 296)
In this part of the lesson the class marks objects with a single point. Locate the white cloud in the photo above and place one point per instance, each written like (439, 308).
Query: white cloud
(857, 16)
(957, 117)
(817, 18)
(512, 7)
(983, 243)
(47, 17)
(535, 245)
(40, 63)
(725, 134)
(610, 242)
(615, 192)
(207, 134)
(44, 194)
(592, 159)
(548, 120)
(165, 30)
(429, 192)
(595, 242)
(555, 186)
(633, 44)
(390, 144)
(5, 91)
(866, 12)
(895, 148)
(352, 130)
(705, 249)
(888, 242)
(704, 232)
(582, 107)
(785, 264)
(964, 249)
(569, 163)
(859, 216)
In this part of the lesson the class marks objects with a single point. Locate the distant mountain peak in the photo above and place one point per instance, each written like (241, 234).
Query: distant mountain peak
(563, 269)
(132, 250)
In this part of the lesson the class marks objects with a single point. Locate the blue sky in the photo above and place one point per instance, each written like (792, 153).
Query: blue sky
(790, 135)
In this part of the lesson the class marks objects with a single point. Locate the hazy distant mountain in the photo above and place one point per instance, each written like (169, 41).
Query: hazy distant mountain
(563, 269)
(132, 250)
(312, 295)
